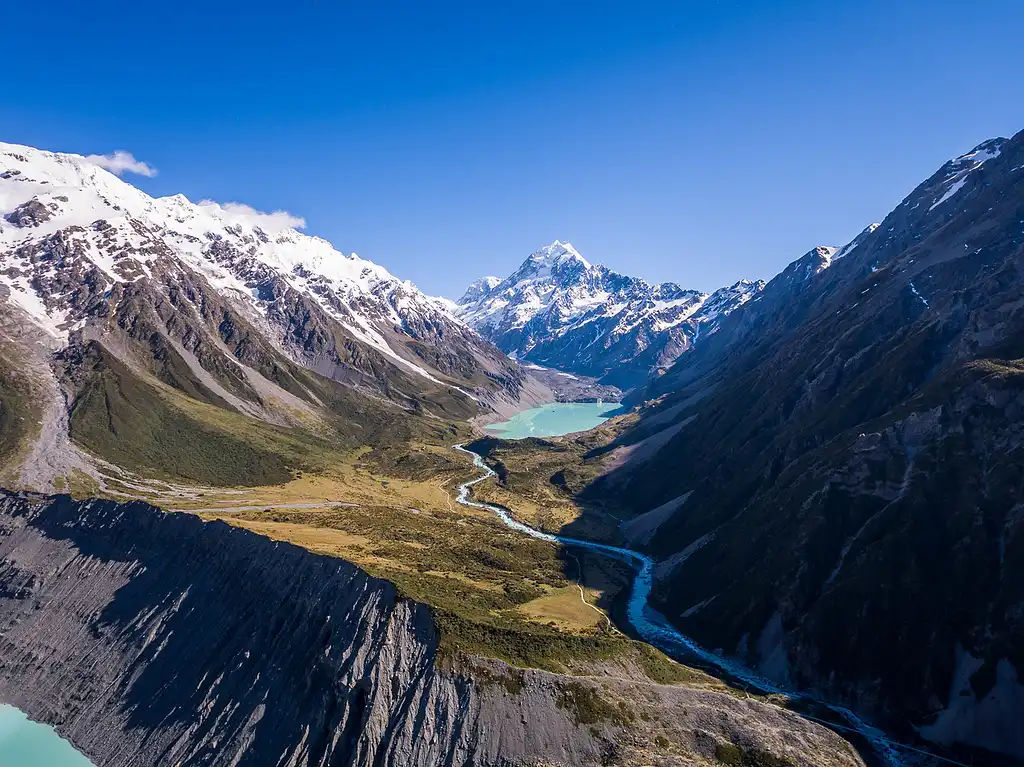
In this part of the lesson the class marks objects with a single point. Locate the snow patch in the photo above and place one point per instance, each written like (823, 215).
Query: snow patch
(993, 722)
(916, 293)
(961, 167)
(956, 187)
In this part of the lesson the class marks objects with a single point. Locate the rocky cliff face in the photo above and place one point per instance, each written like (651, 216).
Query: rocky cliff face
(153, 639)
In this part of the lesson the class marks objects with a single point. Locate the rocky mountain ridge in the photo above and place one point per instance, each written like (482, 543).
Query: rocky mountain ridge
(225, 305)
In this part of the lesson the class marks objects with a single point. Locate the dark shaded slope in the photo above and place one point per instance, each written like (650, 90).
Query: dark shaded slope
(852, 445)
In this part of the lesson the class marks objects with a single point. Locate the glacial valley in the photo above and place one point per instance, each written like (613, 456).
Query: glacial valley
(267, 503)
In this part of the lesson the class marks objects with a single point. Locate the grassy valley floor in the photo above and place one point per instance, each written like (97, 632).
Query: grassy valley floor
(495, 593)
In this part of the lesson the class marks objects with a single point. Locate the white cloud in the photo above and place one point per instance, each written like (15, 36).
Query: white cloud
(121, 162)
(242, 213)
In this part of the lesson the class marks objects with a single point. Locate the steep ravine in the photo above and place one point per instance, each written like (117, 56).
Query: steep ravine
(157, 639)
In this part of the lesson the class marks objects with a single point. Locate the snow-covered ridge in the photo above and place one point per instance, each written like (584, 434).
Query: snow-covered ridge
(959, 168)
(558, 254)
(854, 242)
(123, 232)
(79, 193)
(557, 280)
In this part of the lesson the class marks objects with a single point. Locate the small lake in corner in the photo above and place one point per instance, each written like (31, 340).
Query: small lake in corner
(24, 743)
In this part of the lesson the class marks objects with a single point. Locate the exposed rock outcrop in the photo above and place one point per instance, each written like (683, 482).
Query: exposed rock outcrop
(31, 213)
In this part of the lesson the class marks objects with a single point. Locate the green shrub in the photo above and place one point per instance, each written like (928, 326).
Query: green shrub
(737, 756)
(587, 706)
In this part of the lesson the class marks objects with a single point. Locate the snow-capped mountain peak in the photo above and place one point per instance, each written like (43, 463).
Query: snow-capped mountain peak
(559, 310)
(559, 259)
(986, 150)
(723, 302)
(959, 168)
(558, 252)
(478, 289)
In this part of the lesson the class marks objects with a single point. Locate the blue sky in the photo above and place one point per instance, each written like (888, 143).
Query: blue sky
(699, 142)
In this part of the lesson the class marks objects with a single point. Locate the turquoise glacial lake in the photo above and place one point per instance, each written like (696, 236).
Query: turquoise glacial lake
(554, 419)
(24, 743)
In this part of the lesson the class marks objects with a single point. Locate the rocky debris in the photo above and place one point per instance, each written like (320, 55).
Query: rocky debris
(570, 387)
(46, 451)
(148, 638)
